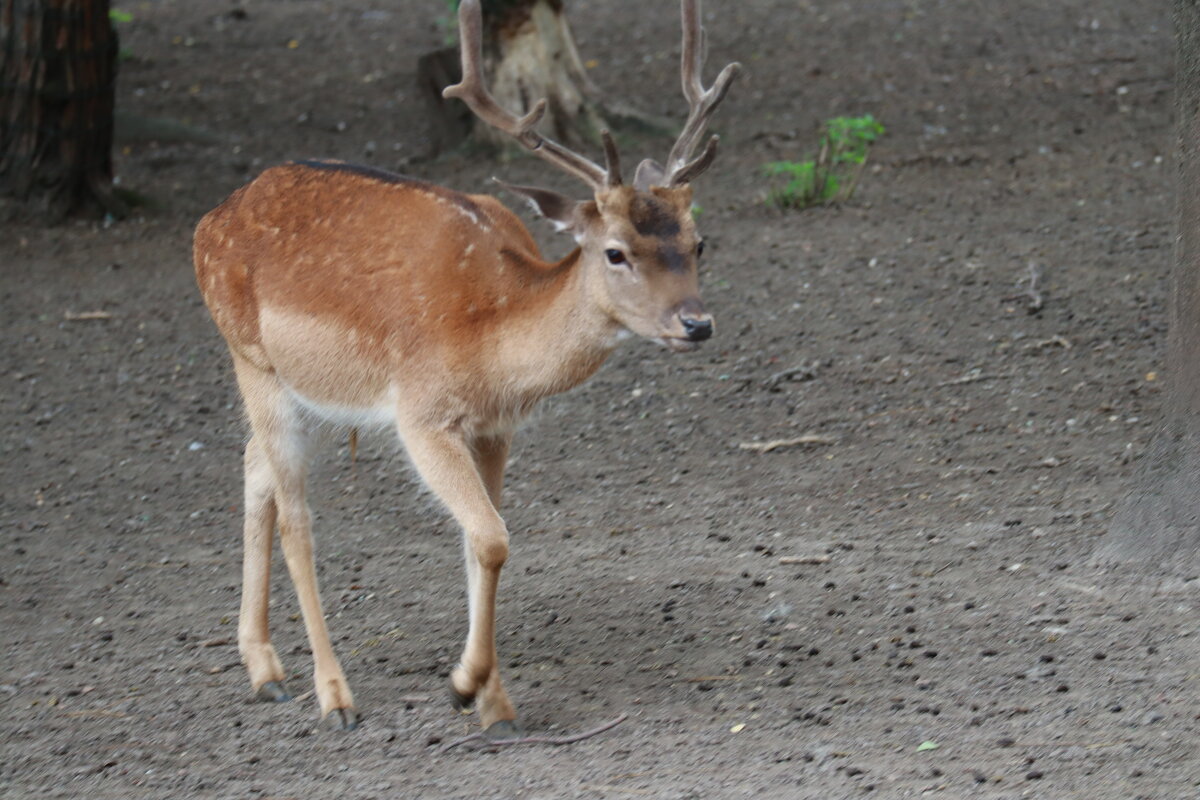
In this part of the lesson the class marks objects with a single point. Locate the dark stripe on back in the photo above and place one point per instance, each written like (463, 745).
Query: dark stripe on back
(358, 169)
(382, 175)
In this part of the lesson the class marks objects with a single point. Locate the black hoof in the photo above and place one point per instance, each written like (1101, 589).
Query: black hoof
(341, 719)
(273, 692)
(461, 702)
(504, 729)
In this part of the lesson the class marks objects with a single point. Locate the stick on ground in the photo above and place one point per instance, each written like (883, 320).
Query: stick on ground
(775, 444)
(481, 736)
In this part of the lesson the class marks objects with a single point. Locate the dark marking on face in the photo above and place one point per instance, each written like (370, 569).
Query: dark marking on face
(652, 217)
(672, 257)
(383, 176)
(658, 221)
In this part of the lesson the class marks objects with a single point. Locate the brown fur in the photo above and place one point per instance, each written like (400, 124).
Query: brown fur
(404, 277)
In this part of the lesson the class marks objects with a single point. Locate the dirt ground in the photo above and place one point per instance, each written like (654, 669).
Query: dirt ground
(975, 451)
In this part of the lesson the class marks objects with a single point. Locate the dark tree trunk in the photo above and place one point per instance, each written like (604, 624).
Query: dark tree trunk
(58, 66)
(1157, 526)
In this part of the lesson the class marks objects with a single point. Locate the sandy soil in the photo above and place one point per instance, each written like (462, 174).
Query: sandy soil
(977, 448)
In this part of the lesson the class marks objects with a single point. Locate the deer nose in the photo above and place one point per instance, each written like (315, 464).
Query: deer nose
(697, 329)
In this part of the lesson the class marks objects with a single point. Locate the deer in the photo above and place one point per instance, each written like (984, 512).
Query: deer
(351, 296)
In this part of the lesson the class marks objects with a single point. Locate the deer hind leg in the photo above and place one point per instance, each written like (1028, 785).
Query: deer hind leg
(254, 635)
(491, 456)
(283, 441)
(449, 465)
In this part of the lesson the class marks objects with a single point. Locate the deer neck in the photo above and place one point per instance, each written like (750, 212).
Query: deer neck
(567, 332)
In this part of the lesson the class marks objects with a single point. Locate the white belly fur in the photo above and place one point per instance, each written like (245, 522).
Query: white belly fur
(381, 414)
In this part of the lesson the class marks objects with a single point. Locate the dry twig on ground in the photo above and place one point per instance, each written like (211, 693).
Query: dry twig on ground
(971, 377)
(481, 736)
(775, 444)
(804, 372)
(1031, 292)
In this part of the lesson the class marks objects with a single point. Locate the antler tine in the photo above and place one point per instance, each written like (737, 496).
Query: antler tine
(702, 102)
(692, 55)
(612, 160)
(472, 90)
(688, 172)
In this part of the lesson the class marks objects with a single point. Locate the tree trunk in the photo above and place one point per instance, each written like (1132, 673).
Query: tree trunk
(529, 54)
(1157, 525)
(57, 80)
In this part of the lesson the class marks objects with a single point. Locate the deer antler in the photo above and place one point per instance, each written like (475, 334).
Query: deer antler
(472, 90)
(681, 167)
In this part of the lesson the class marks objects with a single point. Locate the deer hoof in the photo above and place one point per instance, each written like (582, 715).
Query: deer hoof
(460, 701)
(341, 719)
(273, 692)
(504, 729)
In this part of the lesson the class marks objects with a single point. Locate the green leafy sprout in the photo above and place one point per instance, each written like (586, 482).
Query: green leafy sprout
(447, 24)
(833, 175)
(117, 16)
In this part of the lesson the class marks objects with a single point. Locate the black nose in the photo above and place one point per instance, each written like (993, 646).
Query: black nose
(697, 330)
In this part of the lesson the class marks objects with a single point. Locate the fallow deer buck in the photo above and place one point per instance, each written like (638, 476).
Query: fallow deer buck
(353, 296)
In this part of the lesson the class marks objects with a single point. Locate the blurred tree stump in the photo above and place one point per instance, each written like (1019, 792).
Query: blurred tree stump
(529, 54)
(58, 67)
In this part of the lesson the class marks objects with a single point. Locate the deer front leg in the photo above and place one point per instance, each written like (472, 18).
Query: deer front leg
(448, 465)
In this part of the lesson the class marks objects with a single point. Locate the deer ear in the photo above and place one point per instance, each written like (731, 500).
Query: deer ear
(649, 173)
(557, 208)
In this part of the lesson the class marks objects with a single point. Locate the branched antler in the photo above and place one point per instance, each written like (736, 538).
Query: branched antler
(473, 91)
(681, 167)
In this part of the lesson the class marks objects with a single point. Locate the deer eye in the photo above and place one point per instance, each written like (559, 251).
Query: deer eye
(614, 256)
(699, 248)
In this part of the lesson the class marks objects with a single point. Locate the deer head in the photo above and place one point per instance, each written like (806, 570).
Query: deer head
(638, 243)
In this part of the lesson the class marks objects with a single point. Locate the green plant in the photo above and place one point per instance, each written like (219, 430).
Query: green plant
(833, 175)
(117, 16)
(446, 23)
